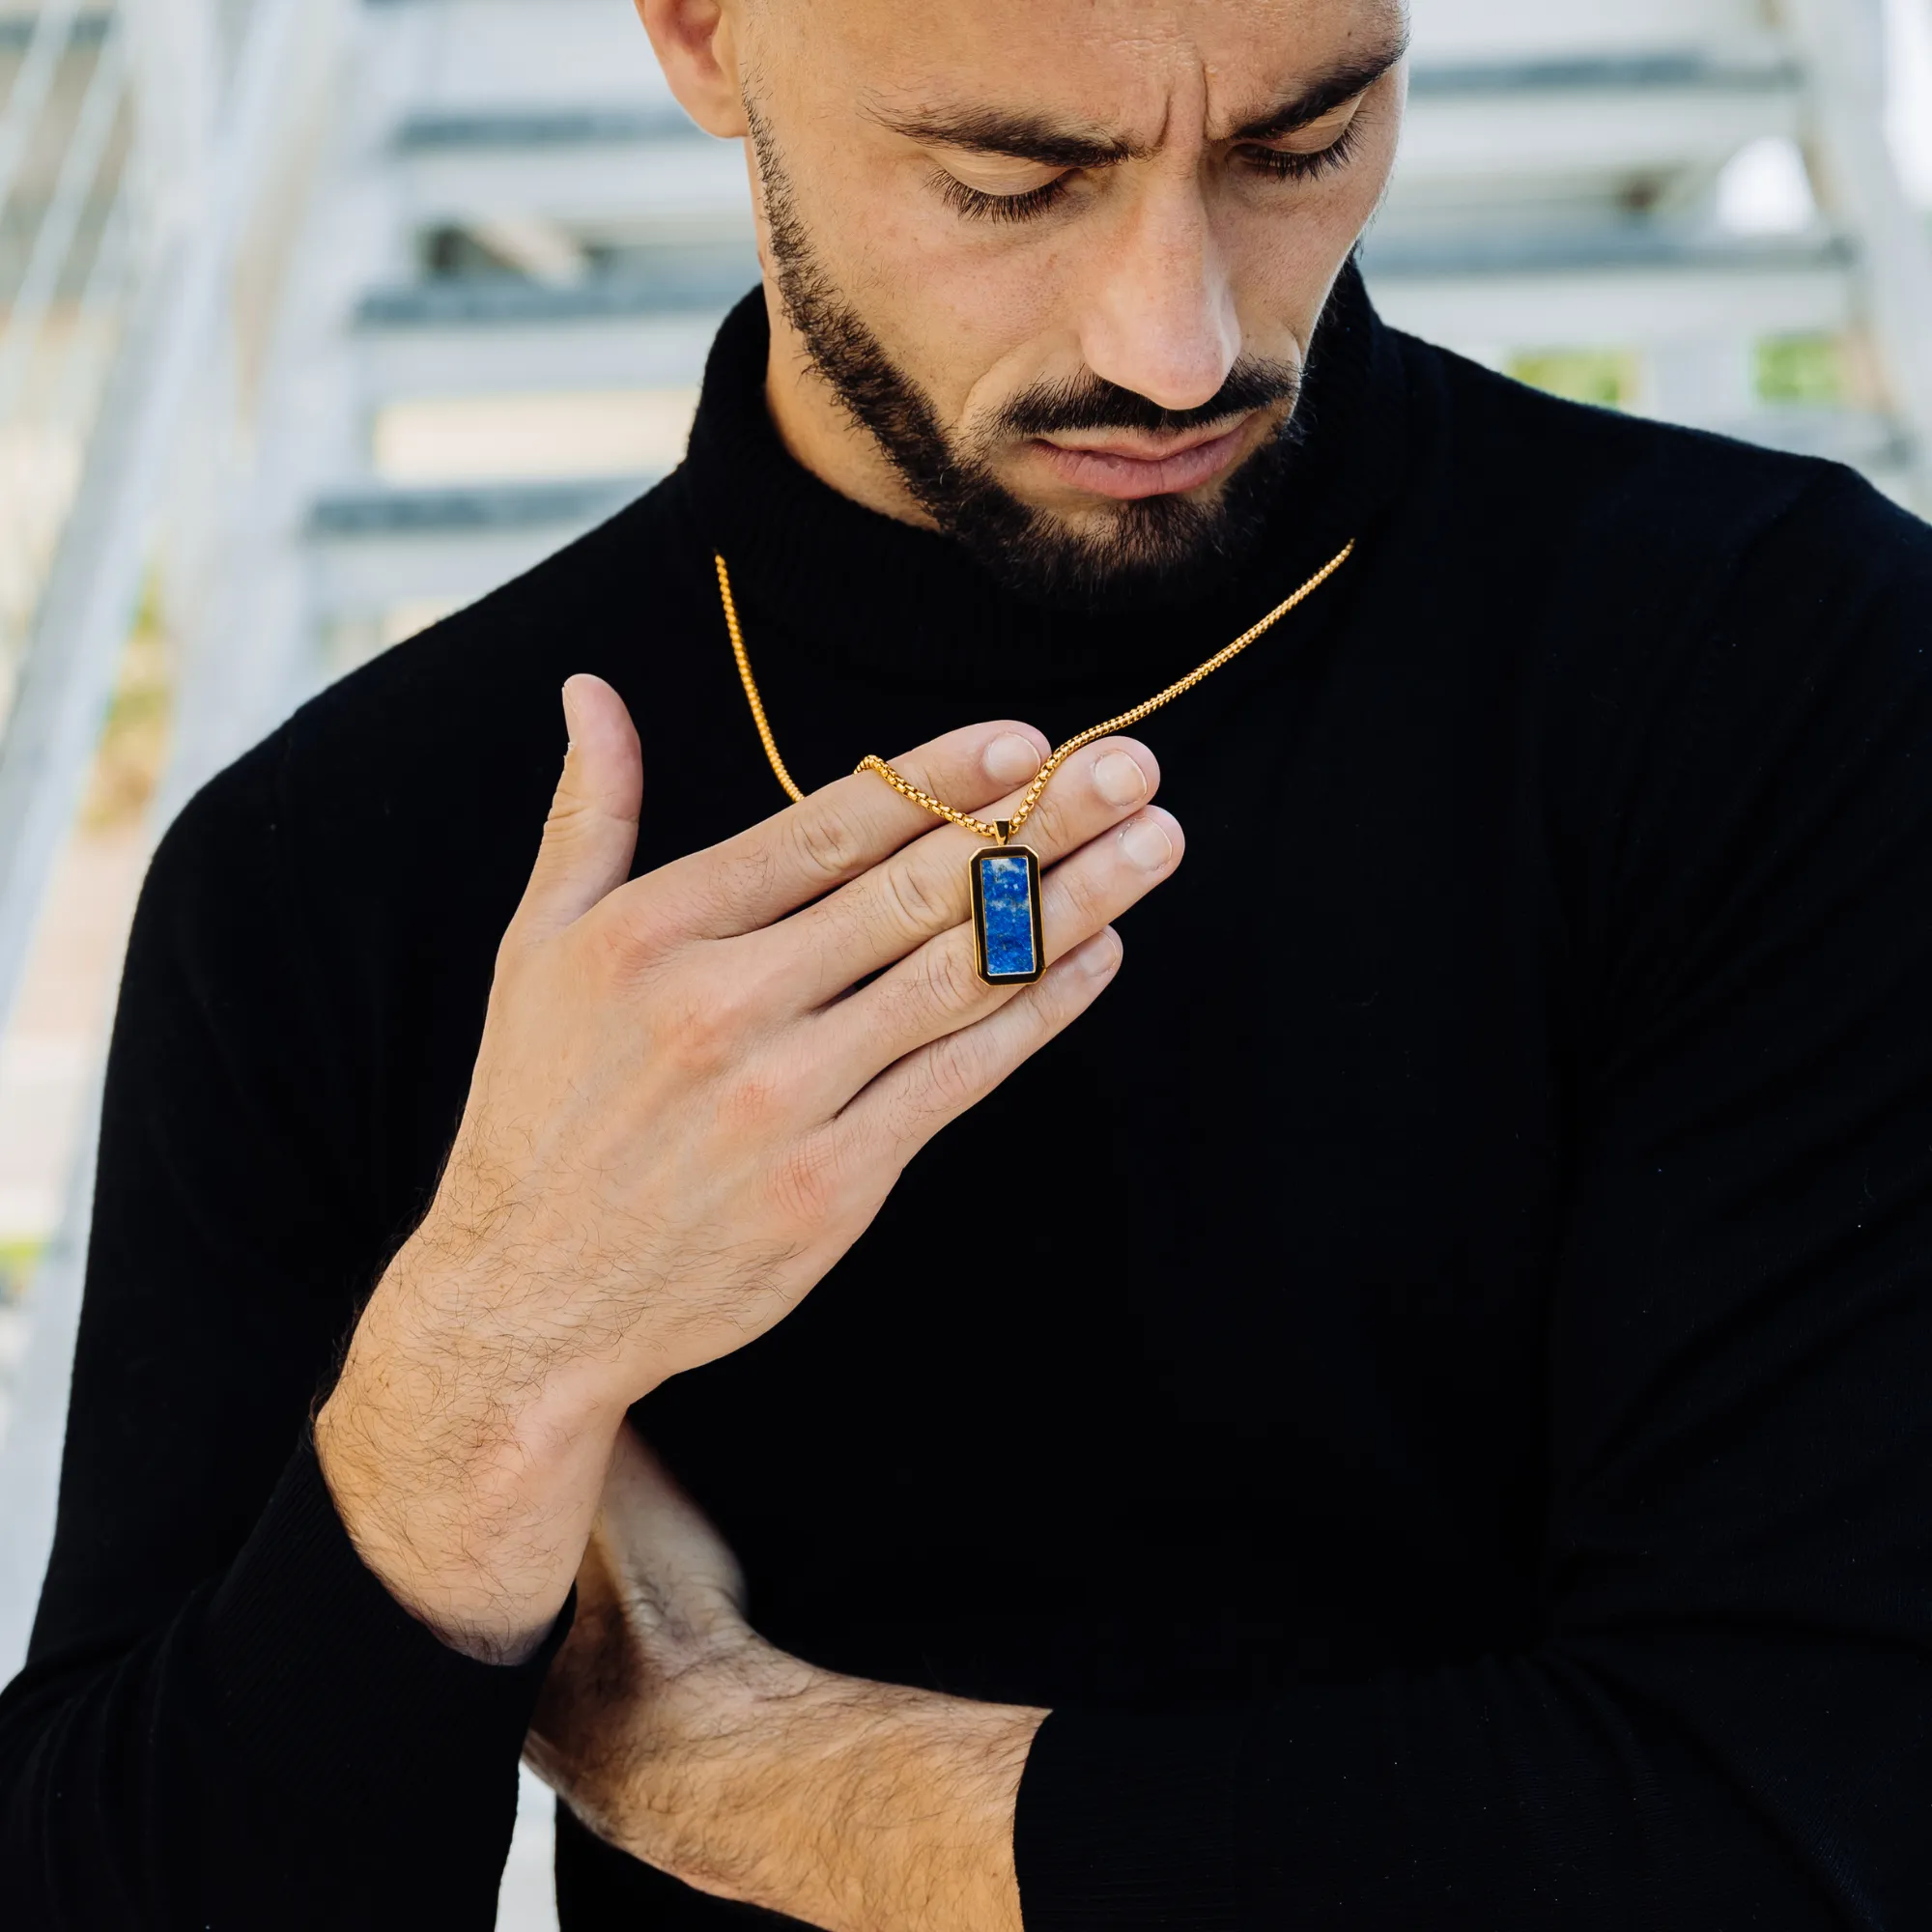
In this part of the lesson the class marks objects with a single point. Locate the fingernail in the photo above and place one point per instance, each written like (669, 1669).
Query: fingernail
(1118, 780)
(1101, 955)
(1011, 759)
(1147, 844)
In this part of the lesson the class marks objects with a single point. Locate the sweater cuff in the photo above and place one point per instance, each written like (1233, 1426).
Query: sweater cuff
(1127, 1822)
(330, 1691)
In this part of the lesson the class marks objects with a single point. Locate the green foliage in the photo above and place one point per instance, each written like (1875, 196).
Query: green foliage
(1800, 369)
(1606, 377)
(16, 1267)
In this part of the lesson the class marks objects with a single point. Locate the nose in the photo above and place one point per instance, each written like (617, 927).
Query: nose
(1160, 317)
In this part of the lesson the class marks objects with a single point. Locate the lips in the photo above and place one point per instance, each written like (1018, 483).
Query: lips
(1128, 473)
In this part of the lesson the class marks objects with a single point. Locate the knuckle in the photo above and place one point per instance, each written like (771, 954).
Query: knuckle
(826, 843)
(1049, 826)
(1049, 1004)
(910, 902)
(950, 1075)
(1082, 895)
(948, 981)
(700, 1023)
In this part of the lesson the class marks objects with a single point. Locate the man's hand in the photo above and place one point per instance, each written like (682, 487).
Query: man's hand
(693, 1091)
(678, 1735)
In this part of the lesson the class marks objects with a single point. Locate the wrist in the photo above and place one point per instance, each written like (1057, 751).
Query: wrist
(466, 1483)
(508, 1299)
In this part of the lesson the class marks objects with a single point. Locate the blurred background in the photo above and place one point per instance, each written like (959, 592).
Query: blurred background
(319, 317)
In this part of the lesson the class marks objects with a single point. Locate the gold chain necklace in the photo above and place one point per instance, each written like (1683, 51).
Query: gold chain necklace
(1007, 942)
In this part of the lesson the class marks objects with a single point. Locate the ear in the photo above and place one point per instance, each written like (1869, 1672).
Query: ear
(696, 44)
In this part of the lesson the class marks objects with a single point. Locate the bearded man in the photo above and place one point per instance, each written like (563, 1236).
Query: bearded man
(1410, 1411)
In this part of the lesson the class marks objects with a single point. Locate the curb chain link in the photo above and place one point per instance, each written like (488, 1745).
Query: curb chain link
(1000, 829)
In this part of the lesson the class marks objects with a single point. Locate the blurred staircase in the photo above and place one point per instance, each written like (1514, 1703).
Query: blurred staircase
(319, 317)
(555, 248)
(1680, 207)
(1664, 204)
(322, 317)
(475, 263)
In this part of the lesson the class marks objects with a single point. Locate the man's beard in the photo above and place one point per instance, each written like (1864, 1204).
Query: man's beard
(1160, 547)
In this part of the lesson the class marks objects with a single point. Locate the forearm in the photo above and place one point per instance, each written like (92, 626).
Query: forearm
(678, 1734)
(851, 1806)
(465, 1467)
(667, 1140)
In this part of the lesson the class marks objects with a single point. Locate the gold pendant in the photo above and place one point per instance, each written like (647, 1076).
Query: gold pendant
(1008, 948)
(1007, 945)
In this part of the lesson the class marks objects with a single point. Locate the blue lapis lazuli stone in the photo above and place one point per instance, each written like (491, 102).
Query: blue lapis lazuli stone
(1006, 914)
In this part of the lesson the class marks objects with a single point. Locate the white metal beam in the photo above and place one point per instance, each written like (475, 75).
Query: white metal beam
(1470, 306)
(1844, 43)
(610, 351)
(94, 583)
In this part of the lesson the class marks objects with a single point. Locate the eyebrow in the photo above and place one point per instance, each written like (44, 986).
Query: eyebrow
(1026, 137)
(1030, 137)
(1321, 97)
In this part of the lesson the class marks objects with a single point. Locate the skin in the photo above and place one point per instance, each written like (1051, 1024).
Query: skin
(679, 1118)
(1153, 272)
(754, 1776)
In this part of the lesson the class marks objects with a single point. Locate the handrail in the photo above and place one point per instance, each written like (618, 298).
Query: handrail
(54, 240)
(52, 30)
(93, 587)
(1844, 45)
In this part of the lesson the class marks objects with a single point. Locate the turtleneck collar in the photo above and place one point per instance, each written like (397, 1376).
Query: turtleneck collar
(911, 603)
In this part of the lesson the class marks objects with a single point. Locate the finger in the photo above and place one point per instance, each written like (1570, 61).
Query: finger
(912, 1099)
(837, 833)
(591, 832)
(938, 990)
(925, 888)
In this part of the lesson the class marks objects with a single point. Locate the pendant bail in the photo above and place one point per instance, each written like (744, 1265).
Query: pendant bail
(1003, 828)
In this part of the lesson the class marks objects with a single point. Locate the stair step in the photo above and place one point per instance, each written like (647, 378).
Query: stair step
(445, 509)
(1601, 249)
(708, 286)
(1611, 288)
(1583, 139)
(1675, 71)
(1468, 31)
(1599, 129)
(485, 128)
(1628, 285)
(372, 550)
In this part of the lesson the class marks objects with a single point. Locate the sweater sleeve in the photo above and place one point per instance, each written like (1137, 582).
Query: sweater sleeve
(225, 1721)
(1725, 1719)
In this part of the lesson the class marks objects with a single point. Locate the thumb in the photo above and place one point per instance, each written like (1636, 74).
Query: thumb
(591, 832)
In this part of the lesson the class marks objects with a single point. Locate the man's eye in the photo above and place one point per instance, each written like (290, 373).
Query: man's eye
(1308, 164)
(977, 205)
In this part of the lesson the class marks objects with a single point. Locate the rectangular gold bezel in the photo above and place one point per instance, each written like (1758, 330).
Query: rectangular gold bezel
(1032, 859)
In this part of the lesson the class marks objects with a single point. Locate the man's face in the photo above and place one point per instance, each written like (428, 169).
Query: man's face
(1062, 260)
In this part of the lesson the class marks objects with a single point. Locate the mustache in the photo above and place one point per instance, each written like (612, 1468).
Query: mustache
(1093, 403)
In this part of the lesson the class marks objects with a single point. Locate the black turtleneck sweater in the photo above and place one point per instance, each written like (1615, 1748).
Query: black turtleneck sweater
(1452, 1440)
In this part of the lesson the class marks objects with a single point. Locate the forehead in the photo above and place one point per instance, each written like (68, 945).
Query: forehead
(1131, 64)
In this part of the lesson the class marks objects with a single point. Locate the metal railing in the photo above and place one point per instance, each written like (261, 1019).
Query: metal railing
(117, 316)
(64, 135)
